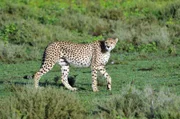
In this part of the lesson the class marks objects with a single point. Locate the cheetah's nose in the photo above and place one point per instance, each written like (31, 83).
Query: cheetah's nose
(107, 46)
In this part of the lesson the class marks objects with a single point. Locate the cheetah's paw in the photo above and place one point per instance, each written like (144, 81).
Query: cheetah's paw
(73, 89)
(95, 90)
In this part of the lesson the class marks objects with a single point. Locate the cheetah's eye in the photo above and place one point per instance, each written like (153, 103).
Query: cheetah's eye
(111, 42)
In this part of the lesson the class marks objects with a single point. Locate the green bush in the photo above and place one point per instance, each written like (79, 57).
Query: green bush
(48, 103)
(134, 103)
(24, 32)
(11, 53)
(84, 24)
(171, 10)
(128, 104)
(165, 105)
(140, 33)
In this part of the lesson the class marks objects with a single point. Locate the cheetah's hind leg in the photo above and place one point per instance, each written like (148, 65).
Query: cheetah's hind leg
(47, 66)
(64, 78)
(65, 71)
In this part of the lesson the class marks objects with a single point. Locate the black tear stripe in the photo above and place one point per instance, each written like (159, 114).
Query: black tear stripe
(103, 47)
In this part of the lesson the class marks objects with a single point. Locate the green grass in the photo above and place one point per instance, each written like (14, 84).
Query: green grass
(155, 71)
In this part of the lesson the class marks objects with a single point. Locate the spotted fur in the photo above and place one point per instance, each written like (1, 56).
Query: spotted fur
(95, 54)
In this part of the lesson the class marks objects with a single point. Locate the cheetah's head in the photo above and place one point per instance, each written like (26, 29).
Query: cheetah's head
(110, 43)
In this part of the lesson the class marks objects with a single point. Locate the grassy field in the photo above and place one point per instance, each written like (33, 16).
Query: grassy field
(144, 66)
(136, 70)
(140, 69)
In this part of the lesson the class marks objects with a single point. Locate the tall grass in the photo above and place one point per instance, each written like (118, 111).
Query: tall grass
(48, 103)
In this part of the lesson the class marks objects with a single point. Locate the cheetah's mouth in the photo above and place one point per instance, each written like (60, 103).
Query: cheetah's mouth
(108, 47)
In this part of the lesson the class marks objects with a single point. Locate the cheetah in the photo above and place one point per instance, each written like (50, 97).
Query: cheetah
(95, 55)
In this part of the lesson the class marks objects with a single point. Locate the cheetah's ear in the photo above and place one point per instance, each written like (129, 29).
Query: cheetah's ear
(116, 40)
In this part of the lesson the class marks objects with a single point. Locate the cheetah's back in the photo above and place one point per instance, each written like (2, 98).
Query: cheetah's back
(75, 54)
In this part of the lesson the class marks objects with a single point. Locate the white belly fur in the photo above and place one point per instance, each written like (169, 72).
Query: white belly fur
(79, 64)
(105, 58)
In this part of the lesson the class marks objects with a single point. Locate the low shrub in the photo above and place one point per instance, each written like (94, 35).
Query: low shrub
(171, 10)
(84, 24)
(134, 103)
(11, 53)
(141, 33)
(24, 32)
(47, 103)
(112, 14)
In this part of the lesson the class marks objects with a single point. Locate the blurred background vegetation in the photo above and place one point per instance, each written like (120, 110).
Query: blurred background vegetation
(27, 26)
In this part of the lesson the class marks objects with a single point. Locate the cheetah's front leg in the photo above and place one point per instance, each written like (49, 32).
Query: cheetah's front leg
(64, 78)
(106, 75)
